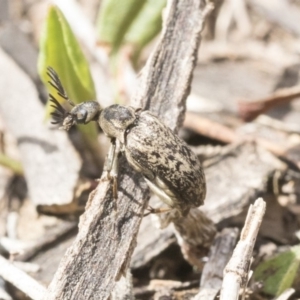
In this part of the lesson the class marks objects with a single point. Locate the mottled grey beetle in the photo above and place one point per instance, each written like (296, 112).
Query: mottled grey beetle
(170, 168)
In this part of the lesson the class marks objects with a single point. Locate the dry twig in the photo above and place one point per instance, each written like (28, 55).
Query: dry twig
(21, 280)
(225, 134)
(236, 271)
(220, 252)
(210, 128)
(248, 111)
(286, 294)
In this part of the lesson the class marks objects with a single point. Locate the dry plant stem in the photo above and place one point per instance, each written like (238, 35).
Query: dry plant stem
(21, 280)
(248, 111)
(219, 255)
(210, 128)
(286, 294)
(105, 242)
(236, 271)
(278, 124)
(156, 94)
(102, 249)
(3, 294)
(225, 134)
(195, 230)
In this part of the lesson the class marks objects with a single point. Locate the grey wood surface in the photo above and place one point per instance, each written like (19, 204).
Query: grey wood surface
(105, 242)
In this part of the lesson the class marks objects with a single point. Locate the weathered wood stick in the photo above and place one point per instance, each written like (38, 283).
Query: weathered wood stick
(105, 242)
(236, 271)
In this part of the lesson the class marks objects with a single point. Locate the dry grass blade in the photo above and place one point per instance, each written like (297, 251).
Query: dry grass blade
(21, 280)
(236, 271)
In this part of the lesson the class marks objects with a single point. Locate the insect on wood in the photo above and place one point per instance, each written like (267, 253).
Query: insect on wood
(171, 170)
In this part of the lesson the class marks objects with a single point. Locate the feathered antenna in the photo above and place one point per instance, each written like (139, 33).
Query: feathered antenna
(59, 114)
(56, 83)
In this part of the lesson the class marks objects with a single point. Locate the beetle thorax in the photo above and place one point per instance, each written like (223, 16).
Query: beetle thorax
(115, 119)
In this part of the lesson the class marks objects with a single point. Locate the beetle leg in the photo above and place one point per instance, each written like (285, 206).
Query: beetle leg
(109, 160)
(114, 169)
(160, 210)
(158, 188)
(110, 170)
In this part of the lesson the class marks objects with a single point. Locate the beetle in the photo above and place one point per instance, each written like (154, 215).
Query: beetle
(170, 168)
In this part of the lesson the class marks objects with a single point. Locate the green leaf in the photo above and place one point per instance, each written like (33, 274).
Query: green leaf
(146, 25)
(278, 273)
(114, 19)
(60, 50)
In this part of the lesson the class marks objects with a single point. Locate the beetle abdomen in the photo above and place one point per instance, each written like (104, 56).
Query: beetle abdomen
(159, 153)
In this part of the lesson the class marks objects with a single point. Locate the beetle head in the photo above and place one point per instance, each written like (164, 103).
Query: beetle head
(82, 113)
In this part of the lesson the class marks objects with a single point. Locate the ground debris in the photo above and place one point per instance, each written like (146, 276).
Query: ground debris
(241, 119)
